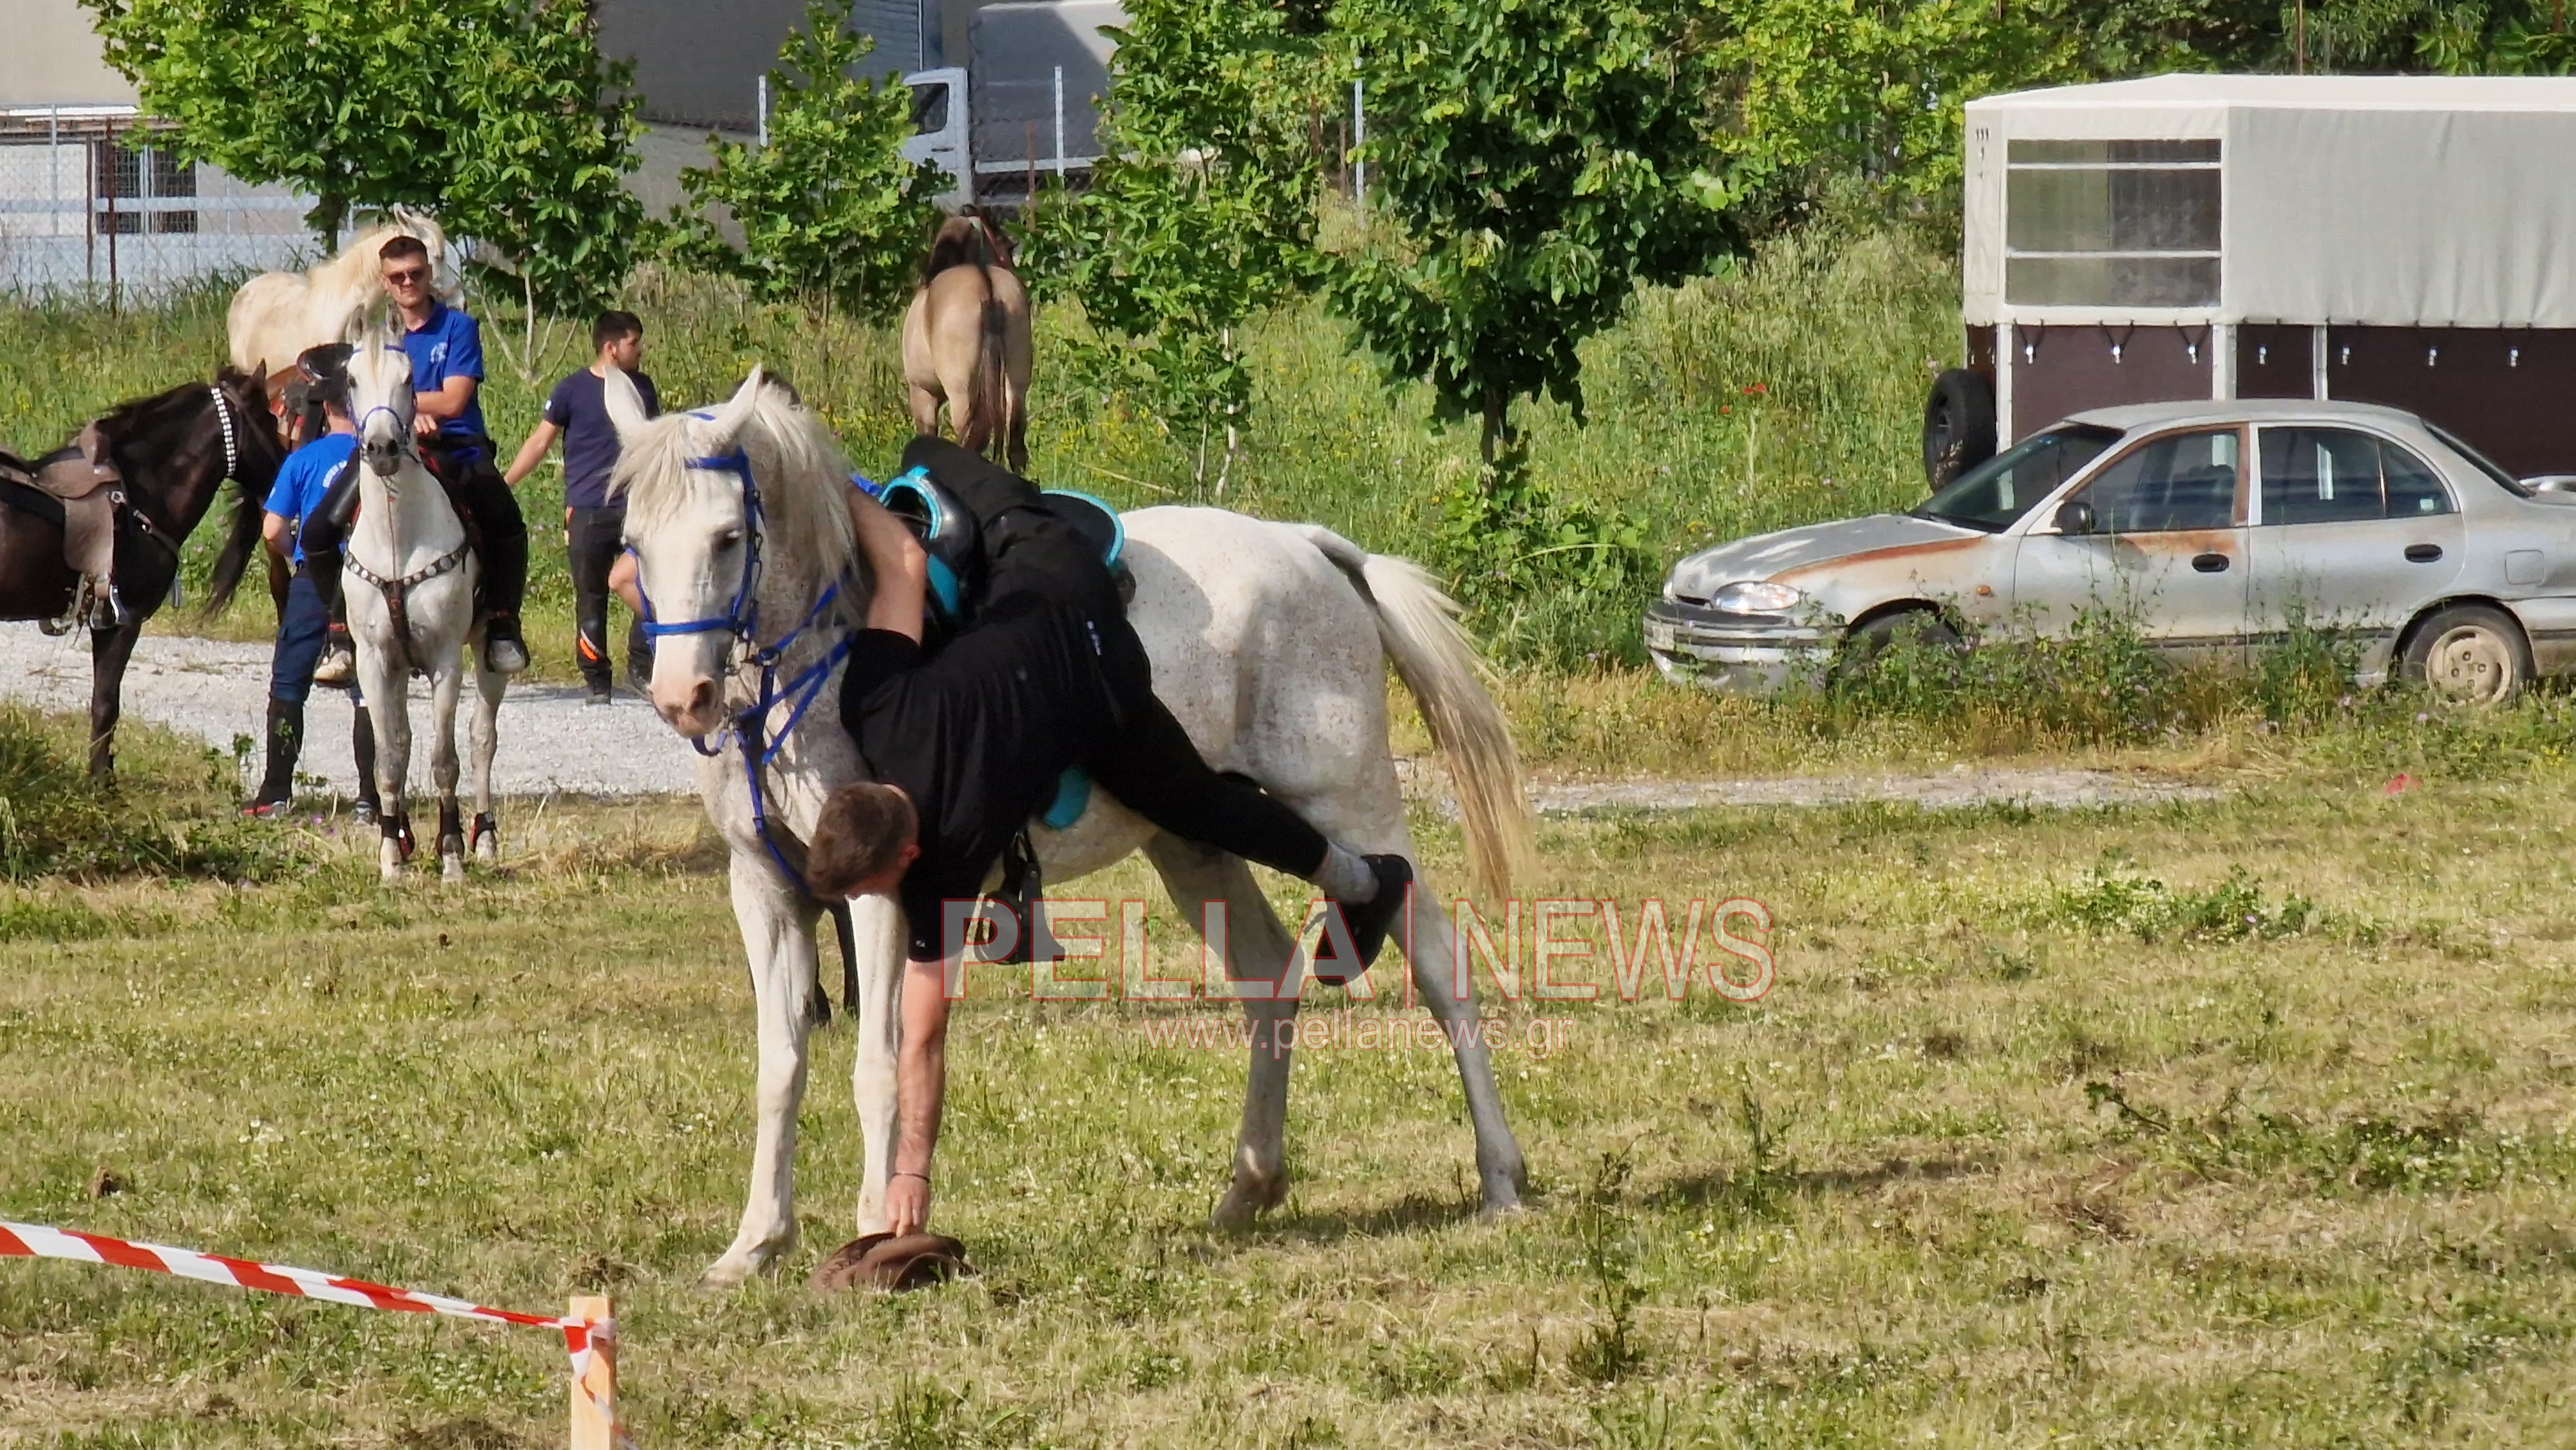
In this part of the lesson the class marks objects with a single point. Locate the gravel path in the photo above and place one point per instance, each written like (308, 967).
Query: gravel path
(551, 738)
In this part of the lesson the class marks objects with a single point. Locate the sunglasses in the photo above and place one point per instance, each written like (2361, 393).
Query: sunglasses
(407, 277)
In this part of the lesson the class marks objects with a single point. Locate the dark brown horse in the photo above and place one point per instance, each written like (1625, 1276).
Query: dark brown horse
(174, 451)
(966, 340)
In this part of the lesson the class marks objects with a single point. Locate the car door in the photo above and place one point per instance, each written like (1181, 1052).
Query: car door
(2160, 542)
(2353, 534)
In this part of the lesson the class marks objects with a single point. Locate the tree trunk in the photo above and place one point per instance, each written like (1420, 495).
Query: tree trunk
(329, 210)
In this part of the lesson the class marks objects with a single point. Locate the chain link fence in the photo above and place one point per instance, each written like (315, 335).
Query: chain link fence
(89, 205)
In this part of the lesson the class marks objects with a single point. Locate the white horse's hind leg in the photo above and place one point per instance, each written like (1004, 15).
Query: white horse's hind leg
(876, 927)
(1261, 951)
(1430, 947)
(485, 839)
(444, 687)
(778, 936)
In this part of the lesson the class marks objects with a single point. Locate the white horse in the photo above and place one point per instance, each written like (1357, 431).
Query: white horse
(1268, 641)
(277, 315)
(409, 581)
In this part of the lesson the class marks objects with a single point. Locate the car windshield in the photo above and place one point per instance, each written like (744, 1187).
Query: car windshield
(1997, 492)
(2480, 461)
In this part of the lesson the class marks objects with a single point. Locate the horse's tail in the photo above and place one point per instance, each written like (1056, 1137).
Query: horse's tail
(1437, 662)
(986, 423)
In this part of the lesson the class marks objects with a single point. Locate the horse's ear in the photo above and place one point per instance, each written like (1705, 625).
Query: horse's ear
(736, 414)
(625, 404)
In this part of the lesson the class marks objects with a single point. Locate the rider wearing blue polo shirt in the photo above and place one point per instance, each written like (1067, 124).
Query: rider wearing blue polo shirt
(446, 350)
(306, 477)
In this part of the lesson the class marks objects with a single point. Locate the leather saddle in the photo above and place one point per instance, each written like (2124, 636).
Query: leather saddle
(80, 488)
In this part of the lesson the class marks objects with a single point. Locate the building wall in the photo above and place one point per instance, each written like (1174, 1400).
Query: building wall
(699, 63)
(52, 57)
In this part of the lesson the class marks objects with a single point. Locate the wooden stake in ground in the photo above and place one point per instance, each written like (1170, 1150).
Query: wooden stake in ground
(597, 1386)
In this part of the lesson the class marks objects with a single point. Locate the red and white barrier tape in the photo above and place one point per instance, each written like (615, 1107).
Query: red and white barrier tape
(28, 1240)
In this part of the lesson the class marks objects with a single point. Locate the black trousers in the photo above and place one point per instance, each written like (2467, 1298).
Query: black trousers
(1140, 754)
(1147, 760)
(597, 537)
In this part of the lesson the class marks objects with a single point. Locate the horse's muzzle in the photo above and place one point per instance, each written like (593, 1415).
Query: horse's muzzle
(382, 457)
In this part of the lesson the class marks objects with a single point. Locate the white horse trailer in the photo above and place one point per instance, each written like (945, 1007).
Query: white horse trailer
(2401, 240)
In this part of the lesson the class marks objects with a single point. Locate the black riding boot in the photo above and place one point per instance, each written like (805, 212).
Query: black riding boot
(362, 744)
(285, 746)
(505, 583)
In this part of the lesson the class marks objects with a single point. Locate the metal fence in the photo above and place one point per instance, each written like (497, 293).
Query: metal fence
(90, 205)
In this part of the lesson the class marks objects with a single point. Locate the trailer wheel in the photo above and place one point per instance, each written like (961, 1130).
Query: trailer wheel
(1958, 426)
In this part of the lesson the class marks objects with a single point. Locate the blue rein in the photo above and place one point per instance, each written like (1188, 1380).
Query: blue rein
(741, 619)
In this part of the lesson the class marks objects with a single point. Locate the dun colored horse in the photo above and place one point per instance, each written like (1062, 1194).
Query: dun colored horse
(966, 340)
(173, 453)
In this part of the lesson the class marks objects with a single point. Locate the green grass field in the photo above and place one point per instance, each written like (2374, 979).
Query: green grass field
(2241, 1122)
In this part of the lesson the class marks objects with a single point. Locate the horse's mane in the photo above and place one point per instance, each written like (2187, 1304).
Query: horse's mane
(142, 434)
(258, 440)
(797, 464)
(960, 242)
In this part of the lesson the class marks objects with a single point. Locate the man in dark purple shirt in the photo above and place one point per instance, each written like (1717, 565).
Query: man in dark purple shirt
(594, 523)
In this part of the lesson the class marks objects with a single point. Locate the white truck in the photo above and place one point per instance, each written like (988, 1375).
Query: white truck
(1023, 110)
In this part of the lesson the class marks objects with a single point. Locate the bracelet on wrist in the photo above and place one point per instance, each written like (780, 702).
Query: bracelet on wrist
(908, 1173)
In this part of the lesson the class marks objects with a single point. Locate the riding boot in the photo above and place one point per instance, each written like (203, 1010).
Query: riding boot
(362, 744)
(285, 745)
(505, 581)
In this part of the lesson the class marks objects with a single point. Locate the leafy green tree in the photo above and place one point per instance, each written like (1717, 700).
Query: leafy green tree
(1201, 213)
(1529, 164)
(540, 176)
(829, 209)
(497, 114)
(1804, 92)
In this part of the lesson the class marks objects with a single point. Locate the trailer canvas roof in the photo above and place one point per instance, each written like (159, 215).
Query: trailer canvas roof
(2418, 201)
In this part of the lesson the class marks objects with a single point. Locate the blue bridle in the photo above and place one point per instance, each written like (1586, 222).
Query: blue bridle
(741, 619)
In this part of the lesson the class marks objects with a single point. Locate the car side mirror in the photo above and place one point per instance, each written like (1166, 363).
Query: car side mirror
(2075, 516)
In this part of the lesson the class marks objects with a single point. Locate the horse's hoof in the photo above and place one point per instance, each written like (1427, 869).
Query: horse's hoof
(1245, 1202)
(1503, 1206)
(723, 1276)
(451, 869)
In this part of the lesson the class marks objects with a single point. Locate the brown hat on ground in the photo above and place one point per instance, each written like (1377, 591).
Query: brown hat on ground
(882, 1261)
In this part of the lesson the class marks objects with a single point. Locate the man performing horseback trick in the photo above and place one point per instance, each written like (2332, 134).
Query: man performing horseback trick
(446, 351)
(968, 744)
(1269, 646)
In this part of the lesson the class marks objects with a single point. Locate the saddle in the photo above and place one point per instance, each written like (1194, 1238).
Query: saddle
(79, 488)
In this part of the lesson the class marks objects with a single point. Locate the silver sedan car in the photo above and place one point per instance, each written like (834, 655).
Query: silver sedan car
(2214, 526)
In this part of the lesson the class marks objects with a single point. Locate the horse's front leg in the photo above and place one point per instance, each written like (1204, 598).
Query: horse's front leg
(385, 685)
(778, 936)
(1260, 955)
(1431, 949)
(109, 651)
(445, 768)
(485, 841)
(876, 931)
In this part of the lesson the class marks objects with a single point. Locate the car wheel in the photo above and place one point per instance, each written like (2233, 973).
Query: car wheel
(1867, 641)
(2469, 654)
(1958, 426)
